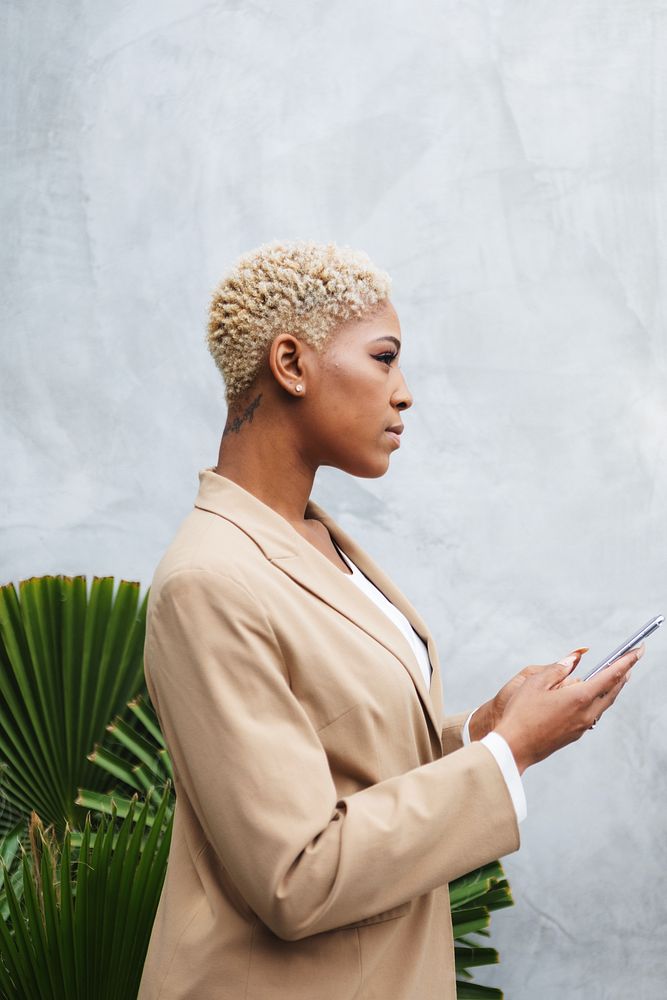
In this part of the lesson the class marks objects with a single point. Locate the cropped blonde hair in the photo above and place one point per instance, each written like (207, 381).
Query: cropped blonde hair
(299, 287)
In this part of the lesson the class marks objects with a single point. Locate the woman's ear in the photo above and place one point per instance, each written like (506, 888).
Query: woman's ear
(286, 361)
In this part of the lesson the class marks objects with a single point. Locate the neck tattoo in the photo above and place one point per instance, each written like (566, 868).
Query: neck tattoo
(246, 417)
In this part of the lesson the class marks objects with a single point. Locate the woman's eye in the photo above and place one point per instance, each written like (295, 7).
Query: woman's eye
(383, 357)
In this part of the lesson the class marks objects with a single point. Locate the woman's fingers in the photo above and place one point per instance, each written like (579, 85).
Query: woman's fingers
(553, 675)
(551, 709)
(604, 701)
(612, 680)
(612, 675)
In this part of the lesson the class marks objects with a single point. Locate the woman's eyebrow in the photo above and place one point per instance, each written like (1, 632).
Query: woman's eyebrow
(394, 340)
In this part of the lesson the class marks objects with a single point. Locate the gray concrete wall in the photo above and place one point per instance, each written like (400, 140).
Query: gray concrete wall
(505, 161)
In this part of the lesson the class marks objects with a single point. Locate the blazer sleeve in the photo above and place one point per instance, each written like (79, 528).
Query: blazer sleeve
(256, 774)
(452, 731)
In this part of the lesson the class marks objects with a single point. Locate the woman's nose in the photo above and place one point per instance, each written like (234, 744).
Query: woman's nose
(403, 397)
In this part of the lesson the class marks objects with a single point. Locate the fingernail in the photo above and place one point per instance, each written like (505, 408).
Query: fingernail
(641, 650)
(571, 658)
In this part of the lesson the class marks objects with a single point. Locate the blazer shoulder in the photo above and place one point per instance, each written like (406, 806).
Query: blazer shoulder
(206, 545)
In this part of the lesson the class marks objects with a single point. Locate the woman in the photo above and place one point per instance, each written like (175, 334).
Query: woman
(323, 802)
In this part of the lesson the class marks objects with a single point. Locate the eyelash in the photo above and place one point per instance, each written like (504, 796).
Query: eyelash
(388, 354)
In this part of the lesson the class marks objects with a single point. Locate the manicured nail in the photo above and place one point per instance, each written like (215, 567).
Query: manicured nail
(571, 658)
(641, 650)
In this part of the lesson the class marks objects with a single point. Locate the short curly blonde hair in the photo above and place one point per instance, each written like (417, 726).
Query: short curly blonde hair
(299, 287)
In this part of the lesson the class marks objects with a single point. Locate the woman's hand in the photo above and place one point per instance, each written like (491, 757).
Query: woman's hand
(546, 712)
(488, 715)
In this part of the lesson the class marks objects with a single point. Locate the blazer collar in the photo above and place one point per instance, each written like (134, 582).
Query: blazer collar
(294, 555)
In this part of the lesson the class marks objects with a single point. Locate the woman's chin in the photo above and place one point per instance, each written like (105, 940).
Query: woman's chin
(371, 469)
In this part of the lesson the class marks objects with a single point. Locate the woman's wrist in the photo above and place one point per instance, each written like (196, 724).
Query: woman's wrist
(485, 720)
(482, 721)
(519, 758)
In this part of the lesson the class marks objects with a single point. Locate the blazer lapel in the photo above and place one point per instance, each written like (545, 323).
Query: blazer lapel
(300, 560)
(376, 623)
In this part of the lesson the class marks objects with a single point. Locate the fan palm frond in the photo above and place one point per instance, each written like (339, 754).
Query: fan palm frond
(82, 926)
(69, 660)
(147, 764)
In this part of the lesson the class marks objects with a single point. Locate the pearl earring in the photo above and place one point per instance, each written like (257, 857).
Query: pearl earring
(299, 387)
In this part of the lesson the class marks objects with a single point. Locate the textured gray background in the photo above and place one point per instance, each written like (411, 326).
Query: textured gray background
(505, 162)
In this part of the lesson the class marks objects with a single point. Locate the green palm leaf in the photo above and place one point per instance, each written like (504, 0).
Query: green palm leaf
(69, 660)
(147, 764)
(83, 925)
(472, 991)
(472, 898)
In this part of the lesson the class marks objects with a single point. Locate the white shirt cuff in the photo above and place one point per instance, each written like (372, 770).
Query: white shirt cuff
(499, 747)
(466, 729)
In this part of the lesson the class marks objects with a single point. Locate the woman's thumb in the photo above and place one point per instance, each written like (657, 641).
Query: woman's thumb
(566, 665)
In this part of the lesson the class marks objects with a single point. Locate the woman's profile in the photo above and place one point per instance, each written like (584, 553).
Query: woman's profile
(324, 799)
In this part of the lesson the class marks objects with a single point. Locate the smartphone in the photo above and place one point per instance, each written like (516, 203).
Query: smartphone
(635, 640)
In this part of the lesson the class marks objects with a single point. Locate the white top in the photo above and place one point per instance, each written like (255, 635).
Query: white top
(418, 645)
(493, 741)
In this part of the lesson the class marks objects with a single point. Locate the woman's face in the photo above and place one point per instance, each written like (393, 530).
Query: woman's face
(355, 390)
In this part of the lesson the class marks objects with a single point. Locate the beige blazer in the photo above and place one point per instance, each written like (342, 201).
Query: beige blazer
(322, 801)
